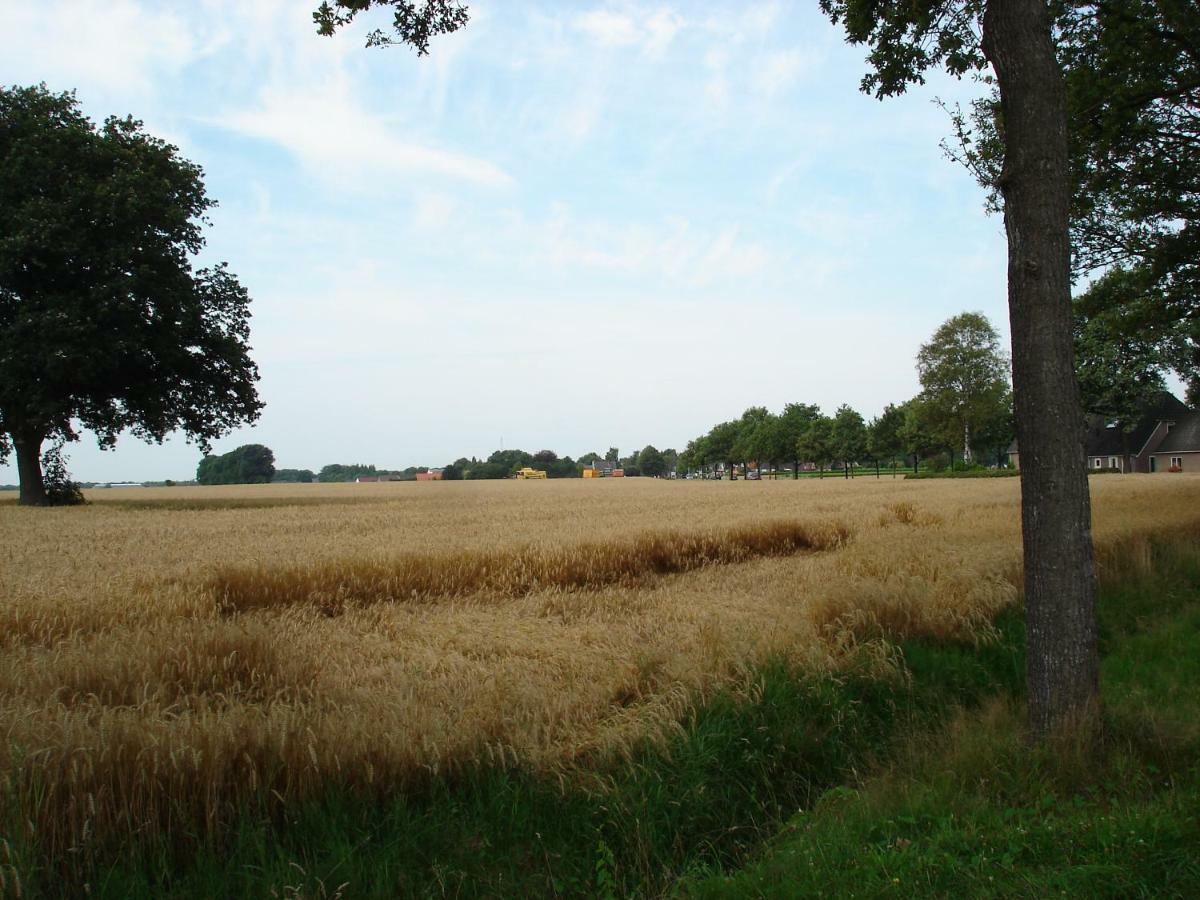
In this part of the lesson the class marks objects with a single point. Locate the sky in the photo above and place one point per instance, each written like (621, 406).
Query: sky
(571, 226)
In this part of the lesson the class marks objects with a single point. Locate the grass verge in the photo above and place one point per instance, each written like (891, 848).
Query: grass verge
(970, 809)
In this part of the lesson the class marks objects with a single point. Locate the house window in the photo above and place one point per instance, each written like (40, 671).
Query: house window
(1096, 463)
(1177, 462)
(1112, 462)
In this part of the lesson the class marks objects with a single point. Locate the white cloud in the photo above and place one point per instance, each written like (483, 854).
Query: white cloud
(330, 133)
(777, 71)
(661, 28)
(111, 45)
(651, 31)
(674, 249)
(609, 29)
(432, 212)
(716, 89)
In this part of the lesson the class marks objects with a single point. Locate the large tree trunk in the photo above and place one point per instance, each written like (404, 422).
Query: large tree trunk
(1060, 581)
(29, 469)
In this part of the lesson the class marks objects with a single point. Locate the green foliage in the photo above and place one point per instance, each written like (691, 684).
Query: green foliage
(103, 323)
(248, 464)
(488, 471)
(1122, 346)
(816, 442)
(848, 435)
(883, 435)
(793, 422)
(294, 476)
(964, 383)
(906, 39)
(60, 489)
(650, 462)
(342, 472)
(1132, 75)
(412, 23)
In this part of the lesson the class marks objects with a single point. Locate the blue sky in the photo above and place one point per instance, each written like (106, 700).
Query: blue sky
(573, 225)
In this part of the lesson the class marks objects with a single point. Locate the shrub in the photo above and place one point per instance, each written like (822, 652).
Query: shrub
(60, 489)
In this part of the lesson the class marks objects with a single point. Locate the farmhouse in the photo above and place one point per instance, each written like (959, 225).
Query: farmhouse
(431, 475)
(1165, 438)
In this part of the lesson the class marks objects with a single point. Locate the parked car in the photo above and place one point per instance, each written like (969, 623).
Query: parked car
(753, 475)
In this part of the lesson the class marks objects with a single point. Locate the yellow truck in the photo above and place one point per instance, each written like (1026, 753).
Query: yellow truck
(530, 473)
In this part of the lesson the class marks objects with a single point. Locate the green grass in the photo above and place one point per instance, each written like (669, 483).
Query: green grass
(971, 809)
(794, 786)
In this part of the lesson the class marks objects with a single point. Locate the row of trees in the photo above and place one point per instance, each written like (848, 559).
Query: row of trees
(255, 464)
(965, 404)
(648, 461)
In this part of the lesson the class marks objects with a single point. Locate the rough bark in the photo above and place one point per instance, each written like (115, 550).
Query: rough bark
(1060, 582)
(28, 450)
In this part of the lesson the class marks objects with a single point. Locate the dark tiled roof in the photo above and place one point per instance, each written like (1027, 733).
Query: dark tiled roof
(1184, 434)
(1104, 441)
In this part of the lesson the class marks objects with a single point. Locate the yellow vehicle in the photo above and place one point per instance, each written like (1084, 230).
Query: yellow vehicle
(530, 473)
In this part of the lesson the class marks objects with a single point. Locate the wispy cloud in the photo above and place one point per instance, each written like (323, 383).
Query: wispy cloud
(778, 70)
(673, 248)
(115, 45)
(330, 133)
(651, 31)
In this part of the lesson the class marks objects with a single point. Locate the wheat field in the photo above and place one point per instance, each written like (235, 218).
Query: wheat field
(169, 655)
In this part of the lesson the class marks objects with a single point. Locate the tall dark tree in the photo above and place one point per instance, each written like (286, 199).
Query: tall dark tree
(815, 443)
(1015, 38)
(1121, 350)
(650, 462)
(793, 422)
(883, 434)
(103, 322)
(848, 436)
(914, 434)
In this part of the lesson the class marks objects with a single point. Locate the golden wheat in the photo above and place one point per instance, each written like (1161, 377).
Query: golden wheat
(167, 655)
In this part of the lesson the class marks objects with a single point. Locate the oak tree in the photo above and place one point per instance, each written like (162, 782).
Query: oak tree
(104, 325)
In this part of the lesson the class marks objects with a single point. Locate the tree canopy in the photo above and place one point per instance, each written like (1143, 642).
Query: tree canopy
(1132, 72)
(103, 322)
(964, 380)
(248, 464)
(413, 23)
